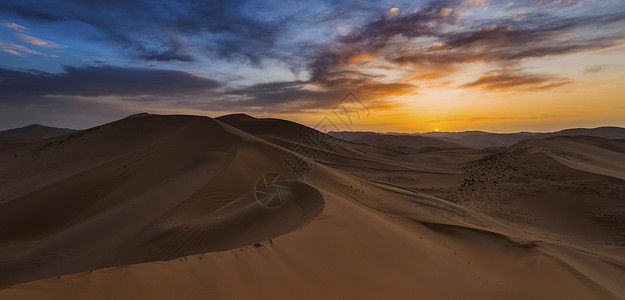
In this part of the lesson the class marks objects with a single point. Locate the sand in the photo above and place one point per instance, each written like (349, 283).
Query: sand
(161, 207)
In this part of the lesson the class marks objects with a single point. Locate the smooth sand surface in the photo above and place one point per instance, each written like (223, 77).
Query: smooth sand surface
(162, 207)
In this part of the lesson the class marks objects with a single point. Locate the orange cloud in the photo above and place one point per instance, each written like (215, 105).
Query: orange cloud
(19, 50)
(361, 57)
(501, 80)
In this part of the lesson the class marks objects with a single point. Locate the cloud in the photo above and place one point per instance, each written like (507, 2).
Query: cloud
(432, 42)
(252, 32)
(504, 80)
(298, 96)
(476, 2)
(29, 11)
(20, 50)
(167, 55)
(501, 44)
(436, 41)
(103, 81)
(506, 43)
(13, 26)
(154, 32)
(283, 96)
(594, 69)
(393, 12)
(377, 50)
(39, 42)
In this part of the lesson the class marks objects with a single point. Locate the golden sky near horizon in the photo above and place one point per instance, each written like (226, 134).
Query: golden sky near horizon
(593, 96)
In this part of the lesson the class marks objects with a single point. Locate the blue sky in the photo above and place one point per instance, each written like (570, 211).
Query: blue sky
(80, 63)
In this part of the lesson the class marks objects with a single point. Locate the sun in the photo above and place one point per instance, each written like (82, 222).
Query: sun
(436, 129)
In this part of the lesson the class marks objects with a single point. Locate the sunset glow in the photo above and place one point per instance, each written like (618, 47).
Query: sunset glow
(457, 65)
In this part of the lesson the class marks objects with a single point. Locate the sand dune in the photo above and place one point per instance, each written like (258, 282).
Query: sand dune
(183, 192)
(405, 143)
(482, 139)
(606, 132)
(590, 154)
(164, 207)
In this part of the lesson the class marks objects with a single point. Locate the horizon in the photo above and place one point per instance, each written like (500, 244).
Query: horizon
(329, 131)
(424, 66)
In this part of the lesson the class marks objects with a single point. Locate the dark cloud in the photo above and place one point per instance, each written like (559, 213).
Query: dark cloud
(156, 31)
(378, 35)
(504, 80)
(594, 69)
(288, 95)
(501, 44)
(169, 55)
(29, 12)
(562, 2)
(296, 96)
(102, 81)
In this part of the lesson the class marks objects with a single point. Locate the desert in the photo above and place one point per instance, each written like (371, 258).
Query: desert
(312, 149)
(167, 201)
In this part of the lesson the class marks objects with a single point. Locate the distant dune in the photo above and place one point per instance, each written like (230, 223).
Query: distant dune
(585, 153)
(405, 143)
(30, 134)
(602, 132)
(482, 140)
(162, 207)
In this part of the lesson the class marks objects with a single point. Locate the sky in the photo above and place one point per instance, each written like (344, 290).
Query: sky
(387, 66)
